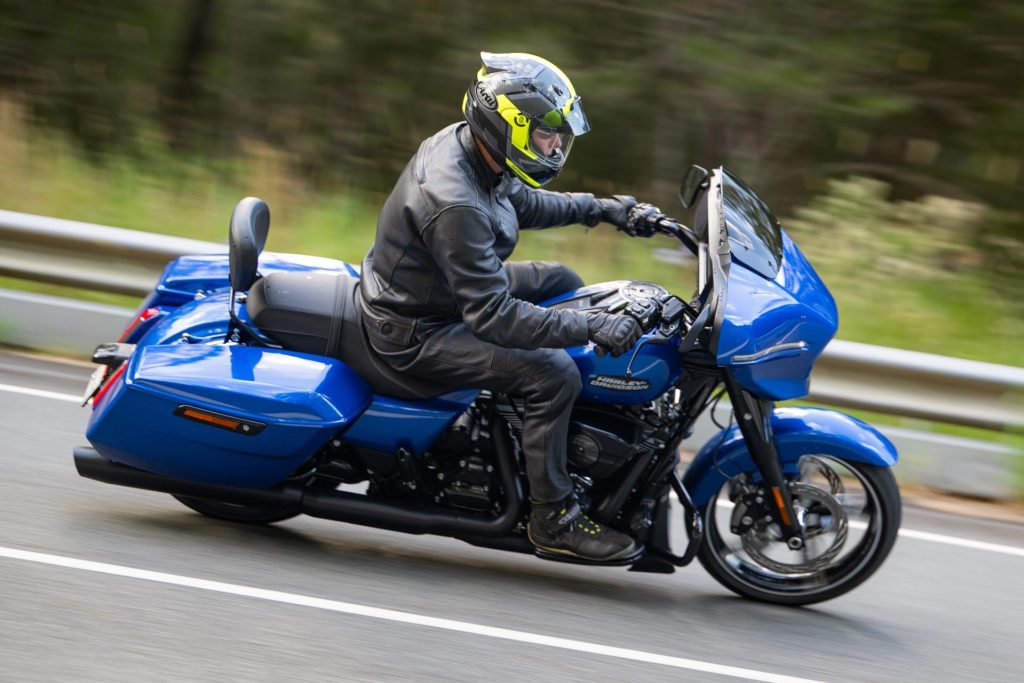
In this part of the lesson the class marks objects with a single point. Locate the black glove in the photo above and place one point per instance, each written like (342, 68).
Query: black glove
(617, 333)
(643, 220)
(615, 210)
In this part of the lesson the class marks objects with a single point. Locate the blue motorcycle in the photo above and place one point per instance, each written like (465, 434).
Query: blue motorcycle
(245, 387)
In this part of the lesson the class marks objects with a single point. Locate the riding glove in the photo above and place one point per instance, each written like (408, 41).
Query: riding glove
(615, 210)
(615, 332)
(636, 220)
(643, 220)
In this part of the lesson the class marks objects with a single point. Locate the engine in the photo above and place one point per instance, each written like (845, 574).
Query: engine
(602, 438)
(458, 472)
(462, 464)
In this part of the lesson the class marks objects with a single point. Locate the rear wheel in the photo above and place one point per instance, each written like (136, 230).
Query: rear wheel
(230, 512)
(850, 513)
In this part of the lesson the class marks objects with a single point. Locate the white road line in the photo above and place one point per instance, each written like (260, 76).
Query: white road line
(908, 533)
(42, 394)
(393, 615)
(963, 542)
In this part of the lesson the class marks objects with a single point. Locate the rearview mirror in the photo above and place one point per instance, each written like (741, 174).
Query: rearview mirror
(695, 179)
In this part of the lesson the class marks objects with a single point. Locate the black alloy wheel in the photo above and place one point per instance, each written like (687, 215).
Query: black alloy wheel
(850, 513)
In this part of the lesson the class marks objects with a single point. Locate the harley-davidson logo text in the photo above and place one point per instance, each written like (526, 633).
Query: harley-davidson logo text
(618, 383)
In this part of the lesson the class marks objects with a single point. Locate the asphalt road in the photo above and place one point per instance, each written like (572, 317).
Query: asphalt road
(80, 597)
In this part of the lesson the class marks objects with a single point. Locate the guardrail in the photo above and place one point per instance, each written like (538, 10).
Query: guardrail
(849, 374)
(88, 256)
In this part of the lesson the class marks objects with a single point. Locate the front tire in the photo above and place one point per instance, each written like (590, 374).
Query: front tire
(851, 515)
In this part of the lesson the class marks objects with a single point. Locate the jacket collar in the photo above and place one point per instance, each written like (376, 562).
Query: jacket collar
(484, 174)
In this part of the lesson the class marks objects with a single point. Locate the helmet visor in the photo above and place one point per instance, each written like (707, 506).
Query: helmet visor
(552, 134)
(550, 144)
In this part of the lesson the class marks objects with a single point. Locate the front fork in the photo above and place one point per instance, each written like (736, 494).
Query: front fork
(754, 416)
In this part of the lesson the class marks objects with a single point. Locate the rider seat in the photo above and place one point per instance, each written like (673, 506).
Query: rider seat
(317, 312)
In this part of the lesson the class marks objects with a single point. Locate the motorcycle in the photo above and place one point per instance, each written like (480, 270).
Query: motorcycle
(245, 388)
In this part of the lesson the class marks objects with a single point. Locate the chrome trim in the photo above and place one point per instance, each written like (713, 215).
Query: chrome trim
(746, 358)
(702, 267)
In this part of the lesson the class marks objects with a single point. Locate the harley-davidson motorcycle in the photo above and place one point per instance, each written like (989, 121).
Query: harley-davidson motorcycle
(245, 387)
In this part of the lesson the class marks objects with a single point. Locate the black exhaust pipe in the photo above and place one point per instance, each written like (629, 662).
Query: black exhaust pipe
(417, 519)
(340, 506)
(92, 465)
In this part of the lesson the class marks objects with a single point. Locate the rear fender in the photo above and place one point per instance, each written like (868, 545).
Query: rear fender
(202, 318)
(798, 431)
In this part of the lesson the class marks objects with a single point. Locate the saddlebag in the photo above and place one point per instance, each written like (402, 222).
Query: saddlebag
(224, 414)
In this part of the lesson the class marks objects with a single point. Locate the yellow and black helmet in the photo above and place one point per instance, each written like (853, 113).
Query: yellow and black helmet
(526, 113)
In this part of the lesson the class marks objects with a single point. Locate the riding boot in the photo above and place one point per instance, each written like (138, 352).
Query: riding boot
(562, 528)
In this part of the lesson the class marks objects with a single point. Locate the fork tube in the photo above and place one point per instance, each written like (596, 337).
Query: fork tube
(754, 417)
(702, 266)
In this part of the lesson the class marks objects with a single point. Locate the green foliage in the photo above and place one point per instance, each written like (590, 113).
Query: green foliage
(912, 273)
(348, 90)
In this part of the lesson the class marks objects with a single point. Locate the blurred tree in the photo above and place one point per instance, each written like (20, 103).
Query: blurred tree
(184, 88)
(926, 95)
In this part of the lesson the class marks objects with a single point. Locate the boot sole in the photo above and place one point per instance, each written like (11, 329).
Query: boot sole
(621, 559)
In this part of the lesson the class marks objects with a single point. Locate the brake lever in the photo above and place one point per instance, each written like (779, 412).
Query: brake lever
(659, 339)
(681, 232)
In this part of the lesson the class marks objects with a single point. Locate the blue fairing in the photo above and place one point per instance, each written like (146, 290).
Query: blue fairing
(761, 315)
(798, 431)
(301, 399)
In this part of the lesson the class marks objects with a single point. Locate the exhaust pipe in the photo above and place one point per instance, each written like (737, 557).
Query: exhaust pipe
(92, 465)
(340, 506)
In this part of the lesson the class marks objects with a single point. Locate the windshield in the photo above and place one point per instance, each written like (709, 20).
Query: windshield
(755, 237)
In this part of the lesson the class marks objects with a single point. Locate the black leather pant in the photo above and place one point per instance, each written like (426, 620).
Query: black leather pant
(546, 378)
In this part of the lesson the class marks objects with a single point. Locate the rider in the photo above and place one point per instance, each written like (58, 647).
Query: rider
(441, 302)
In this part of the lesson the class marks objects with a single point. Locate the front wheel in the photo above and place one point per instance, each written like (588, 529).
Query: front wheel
(850, 514)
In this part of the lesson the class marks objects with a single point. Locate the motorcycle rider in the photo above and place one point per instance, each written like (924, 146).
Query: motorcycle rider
(440, 301)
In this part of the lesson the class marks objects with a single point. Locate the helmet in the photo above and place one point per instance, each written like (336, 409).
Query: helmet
(526, 113)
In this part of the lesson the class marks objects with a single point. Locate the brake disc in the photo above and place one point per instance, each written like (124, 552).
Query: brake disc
(820, 514)
(812, 464)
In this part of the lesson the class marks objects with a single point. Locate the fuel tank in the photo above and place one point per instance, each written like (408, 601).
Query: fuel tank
(638, 376)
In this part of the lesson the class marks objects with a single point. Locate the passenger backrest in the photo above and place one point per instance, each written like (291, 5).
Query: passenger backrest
(250, 223)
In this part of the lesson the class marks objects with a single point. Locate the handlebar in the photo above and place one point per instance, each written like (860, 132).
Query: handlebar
(648, 320)
(672, 228)
(652, 315)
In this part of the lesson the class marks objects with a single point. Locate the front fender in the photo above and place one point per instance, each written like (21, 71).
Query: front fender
(798, 431)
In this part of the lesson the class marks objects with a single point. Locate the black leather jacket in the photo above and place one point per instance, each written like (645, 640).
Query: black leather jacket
(442, 236)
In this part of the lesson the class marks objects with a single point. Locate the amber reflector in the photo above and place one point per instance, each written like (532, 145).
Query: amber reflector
(211, 419)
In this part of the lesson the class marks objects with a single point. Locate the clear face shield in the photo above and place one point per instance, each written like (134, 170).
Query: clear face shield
(552, 134)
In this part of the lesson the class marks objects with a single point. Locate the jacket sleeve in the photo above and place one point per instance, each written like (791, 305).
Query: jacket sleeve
(461, 240)
(544, 209)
